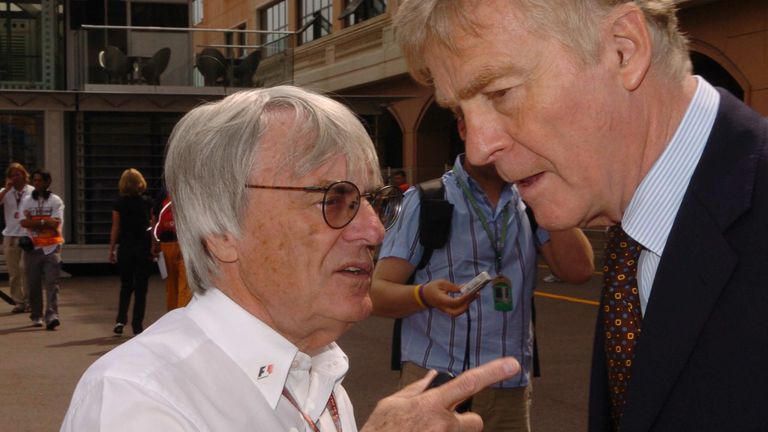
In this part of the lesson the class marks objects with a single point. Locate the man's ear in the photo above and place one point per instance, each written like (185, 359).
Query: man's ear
(222, 247)
(631, 46)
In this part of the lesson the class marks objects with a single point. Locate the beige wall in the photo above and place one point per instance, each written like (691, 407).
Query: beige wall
(734, 34)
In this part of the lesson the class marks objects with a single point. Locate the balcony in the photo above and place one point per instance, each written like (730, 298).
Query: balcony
(178, 60)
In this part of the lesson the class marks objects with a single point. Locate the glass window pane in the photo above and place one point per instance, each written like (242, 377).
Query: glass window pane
(274, 17)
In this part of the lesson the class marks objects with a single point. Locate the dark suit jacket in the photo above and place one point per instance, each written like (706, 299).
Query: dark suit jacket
(702, 360)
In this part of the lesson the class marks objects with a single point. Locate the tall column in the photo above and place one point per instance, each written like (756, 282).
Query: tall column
(54, 158)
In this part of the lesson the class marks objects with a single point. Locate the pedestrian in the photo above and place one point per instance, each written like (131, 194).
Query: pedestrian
(591, 109)
(130, 247)
(15, 190)
(43, 217)
(400, 180)
(450, 332)
(279, 254)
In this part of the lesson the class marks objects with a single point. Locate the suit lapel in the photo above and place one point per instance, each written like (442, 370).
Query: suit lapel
(689, 280)
(695, 267)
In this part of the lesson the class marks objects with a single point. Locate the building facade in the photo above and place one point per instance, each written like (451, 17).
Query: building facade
(90, 88)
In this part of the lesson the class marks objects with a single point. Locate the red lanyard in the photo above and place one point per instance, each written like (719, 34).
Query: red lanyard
(330, 406)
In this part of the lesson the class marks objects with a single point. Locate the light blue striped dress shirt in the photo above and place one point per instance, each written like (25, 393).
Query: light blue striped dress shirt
(433, 339)
(651, 212)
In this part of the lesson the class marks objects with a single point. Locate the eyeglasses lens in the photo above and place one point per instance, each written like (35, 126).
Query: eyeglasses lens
(386, 203)
(341, 203)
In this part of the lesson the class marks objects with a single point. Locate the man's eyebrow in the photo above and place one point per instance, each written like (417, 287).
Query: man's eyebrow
(480, 81)
(483, 79)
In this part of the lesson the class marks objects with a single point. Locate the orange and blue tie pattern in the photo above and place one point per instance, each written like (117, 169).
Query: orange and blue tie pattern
(622, 316)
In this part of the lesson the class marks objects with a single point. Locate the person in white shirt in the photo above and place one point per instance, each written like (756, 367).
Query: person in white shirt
(43, 217)
(15, 190)
(280, 265)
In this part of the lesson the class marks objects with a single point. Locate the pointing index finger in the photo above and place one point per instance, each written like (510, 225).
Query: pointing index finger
(473, 380)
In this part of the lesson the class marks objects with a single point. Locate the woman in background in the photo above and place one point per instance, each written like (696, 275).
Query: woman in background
(131, 219)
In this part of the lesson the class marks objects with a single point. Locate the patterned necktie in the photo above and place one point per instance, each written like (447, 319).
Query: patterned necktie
(622, 316)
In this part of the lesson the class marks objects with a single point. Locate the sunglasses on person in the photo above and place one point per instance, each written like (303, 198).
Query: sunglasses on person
(341, 201)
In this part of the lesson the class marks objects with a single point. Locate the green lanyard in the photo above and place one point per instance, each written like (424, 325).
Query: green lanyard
(496, 242)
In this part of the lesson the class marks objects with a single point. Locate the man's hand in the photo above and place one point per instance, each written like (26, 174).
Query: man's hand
(414, 409)
(437, 295)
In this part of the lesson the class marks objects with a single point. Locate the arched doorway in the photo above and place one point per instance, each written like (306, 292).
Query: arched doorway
(388, 139)
(715, 74)
(438, 142)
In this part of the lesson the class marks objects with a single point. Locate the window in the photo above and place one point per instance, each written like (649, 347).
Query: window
(316, 18)
(236, 42)
(197, 12)
(356, 11)
(106, 143)
(21, 139)
(159, 14)
(274, 18)
(30, 44)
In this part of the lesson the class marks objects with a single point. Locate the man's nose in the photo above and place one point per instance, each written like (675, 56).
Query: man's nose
(366, 225)
(484, 134)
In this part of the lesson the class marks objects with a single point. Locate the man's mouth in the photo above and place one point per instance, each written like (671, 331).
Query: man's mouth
(356, 269)
(353, 270)
(528, 181)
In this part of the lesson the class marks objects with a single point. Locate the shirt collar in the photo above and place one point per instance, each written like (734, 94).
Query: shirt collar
(262, 353)
(328, 367)
(651, 212)
(509, 193)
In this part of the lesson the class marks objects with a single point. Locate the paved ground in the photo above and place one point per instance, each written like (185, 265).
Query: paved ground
(39, 369)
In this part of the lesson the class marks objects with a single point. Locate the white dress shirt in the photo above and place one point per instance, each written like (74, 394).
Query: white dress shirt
(13, 216)
(210, 366)
(651, 213)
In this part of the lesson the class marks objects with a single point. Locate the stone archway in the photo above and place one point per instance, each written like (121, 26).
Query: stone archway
(438, 142)
(716, 74)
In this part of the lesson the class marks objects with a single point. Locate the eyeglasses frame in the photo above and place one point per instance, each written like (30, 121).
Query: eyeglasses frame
(369, 196)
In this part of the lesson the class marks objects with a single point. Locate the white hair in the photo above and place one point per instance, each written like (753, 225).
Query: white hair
(574, 23)
(215, 148)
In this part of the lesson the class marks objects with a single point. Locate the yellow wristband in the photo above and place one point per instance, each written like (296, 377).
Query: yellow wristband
(417, 296)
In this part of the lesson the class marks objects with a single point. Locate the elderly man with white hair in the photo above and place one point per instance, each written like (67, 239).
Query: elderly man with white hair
(278, 243)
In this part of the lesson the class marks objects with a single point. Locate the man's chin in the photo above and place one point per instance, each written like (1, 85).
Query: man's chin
(553, 218)
(366, 308)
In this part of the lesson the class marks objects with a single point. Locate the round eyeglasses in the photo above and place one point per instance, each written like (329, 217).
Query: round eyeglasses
(341, 201)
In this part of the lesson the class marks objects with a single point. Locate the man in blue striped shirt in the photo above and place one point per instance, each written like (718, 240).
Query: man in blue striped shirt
(443, 330)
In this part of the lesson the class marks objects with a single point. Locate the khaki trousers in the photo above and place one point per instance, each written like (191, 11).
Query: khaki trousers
(15, 263)
(501, 409)
(177, 293)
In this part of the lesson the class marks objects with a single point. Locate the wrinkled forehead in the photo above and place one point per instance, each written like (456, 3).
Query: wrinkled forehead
(298, 145)
(470, 25)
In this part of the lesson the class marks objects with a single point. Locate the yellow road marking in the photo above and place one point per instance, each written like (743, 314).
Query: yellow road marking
(566, 298)
(596, 272)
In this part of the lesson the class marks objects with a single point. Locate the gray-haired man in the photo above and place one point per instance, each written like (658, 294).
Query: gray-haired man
(278, 243)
